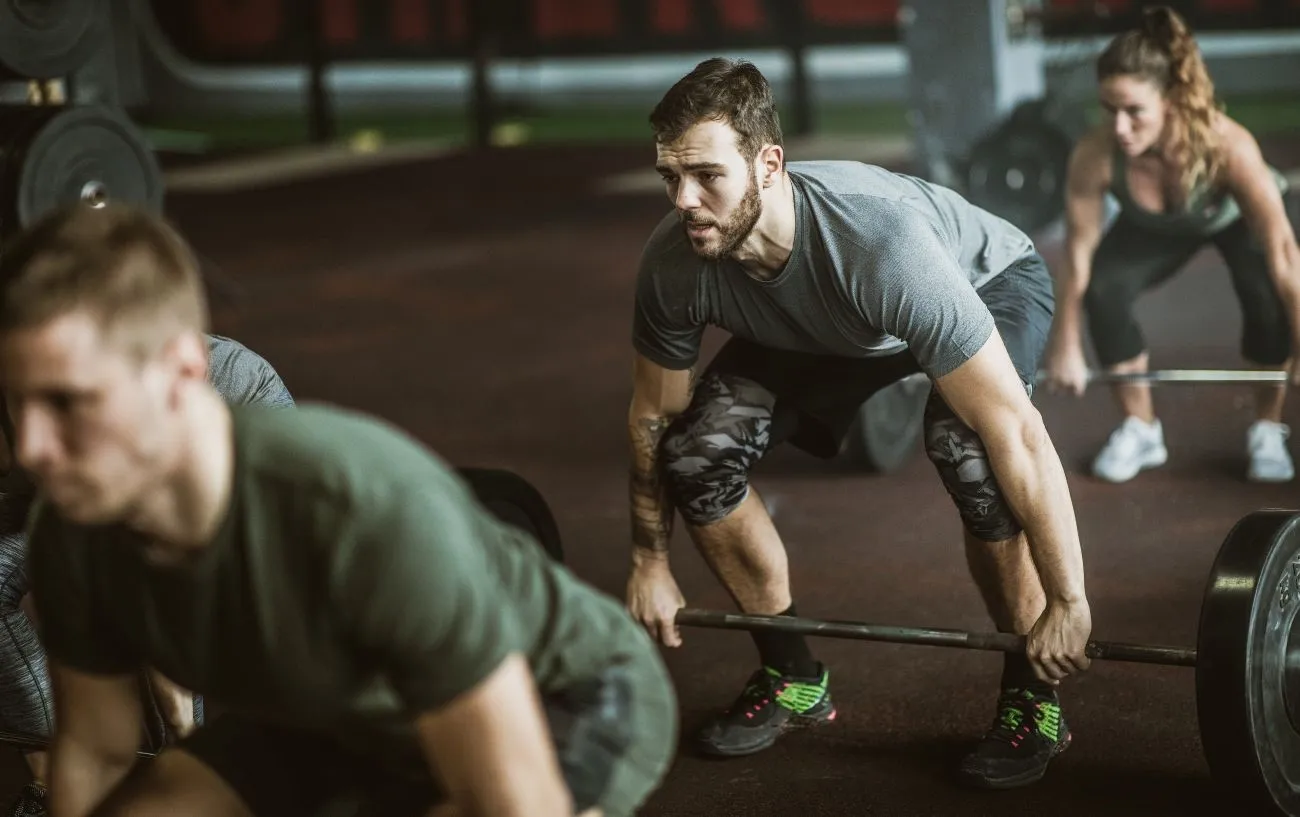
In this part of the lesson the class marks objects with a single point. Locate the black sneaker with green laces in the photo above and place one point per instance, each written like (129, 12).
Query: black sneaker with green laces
(771, 704)
(1029, 731)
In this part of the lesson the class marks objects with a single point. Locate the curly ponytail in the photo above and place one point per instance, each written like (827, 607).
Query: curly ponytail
(1163, 51)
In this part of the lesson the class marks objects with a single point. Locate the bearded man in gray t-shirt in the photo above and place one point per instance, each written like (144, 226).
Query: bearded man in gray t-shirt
(834, 280)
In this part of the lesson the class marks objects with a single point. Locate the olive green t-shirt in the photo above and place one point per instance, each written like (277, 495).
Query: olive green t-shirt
(354, 583)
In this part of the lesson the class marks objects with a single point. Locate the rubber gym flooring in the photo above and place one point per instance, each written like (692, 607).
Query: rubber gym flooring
(484, 304)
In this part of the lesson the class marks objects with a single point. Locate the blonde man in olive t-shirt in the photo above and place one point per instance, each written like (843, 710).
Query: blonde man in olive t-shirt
(363, 627)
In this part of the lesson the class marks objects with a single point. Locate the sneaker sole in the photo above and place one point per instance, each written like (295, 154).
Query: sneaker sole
(1270, 477)
(1015, 781)
(770, 738)
(1145, 465)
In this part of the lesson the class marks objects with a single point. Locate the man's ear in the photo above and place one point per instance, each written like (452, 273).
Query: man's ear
(188, 353)
(771, 161)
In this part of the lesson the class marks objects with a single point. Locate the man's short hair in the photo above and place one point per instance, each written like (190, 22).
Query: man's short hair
(724, 90)
(128, 268)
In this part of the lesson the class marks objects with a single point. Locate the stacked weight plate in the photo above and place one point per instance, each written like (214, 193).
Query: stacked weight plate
(52, 150)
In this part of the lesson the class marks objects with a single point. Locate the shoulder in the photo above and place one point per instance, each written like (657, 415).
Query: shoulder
(868, 206)
(1238, 148)
(843, 177)
(859, 190)
(332, 453)
(1091, 160)
(242, 375)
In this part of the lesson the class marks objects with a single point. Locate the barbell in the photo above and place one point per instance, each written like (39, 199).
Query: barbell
(55, 155)
(1247, 656)
(886, 431)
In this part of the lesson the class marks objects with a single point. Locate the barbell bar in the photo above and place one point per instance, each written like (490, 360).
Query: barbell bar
(1172, 376)
(926, 636)
(1247, 656)
(1186, 376)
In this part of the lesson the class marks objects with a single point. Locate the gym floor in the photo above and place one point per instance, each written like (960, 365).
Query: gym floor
(484, 305)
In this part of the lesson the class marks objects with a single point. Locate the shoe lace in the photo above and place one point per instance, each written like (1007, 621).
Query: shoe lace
(1012, 726)
(761, 690)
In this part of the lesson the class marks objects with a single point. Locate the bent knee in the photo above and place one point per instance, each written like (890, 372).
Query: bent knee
(709, 450)
(174, 782)
(1110, 295)
(962, 461)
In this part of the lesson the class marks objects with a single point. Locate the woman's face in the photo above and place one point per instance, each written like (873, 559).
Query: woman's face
(1135, 110)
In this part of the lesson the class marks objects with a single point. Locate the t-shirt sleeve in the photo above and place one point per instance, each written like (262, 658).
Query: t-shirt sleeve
(242, 376)
(75, 629)
(918, 293)
(422, 598)
(666, 327)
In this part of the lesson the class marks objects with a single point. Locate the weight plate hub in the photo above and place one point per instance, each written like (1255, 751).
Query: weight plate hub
(1248, 661)
(49, 39)
(1018, 171)
(92, 154)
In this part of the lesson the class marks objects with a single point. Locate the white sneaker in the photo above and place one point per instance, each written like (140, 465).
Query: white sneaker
(1269, 459)
(1133, 446)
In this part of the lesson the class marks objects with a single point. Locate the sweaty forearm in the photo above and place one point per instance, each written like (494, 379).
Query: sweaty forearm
(652, 511)
(1032, 479)
(81, 778)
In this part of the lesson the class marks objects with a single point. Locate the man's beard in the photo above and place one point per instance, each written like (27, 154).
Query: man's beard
(733, 232)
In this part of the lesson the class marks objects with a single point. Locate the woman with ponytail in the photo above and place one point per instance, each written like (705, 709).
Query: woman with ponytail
(1184, 174)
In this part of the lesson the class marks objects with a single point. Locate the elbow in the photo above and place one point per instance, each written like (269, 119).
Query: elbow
(1032, 433)
(1020, 437)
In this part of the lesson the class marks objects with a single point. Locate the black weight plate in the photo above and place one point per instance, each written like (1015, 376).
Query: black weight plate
(1247, 681)
(515, 500)
(888, 427)
(50, 39)
(84, 153)
(1019, 173)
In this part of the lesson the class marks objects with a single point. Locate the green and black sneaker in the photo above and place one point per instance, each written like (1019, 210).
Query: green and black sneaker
(772, 703)
(1029, 731)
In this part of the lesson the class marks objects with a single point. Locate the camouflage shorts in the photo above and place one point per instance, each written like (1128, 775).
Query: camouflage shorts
(711, 448)
(959, 456)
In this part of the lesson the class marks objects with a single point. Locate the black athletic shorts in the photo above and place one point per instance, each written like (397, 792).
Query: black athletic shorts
(818, 396)
(285, 772)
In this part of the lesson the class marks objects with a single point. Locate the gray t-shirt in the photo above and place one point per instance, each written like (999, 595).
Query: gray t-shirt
(243, 376)
(881, 262)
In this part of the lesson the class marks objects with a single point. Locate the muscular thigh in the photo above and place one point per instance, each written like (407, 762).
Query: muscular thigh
(267, 770)
(175, 782)
(711, 447)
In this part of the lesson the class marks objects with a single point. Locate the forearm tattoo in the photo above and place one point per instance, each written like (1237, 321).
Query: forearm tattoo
(652, 514)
